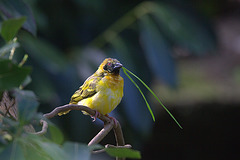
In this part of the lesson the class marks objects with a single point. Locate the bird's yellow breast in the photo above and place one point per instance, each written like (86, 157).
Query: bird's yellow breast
(108, 96)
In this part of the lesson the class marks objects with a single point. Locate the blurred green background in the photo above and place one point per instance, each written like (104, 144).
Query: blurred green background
(186, 51)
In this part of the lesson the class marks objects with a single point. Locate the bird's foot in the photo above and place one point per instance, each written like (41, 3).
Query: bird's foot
(113, 119)
(97, 114)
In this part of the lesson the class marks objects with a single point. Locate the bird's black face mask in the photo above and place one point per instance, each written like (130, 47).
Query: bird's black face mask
(113, 67)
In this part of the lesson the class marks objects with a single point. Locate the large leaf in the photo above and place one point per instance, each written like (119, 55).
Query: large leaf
(18, 8)
(11, 75)
(123, 153)
(158, 53)
(33, 151)
(183, 28)
(76, 151)
(10, 124)
(27, 105)
(12, 152)
(35, 147)
(38, 148)
(45, 54)
(53, 150)
(56, 134)
(10, 27)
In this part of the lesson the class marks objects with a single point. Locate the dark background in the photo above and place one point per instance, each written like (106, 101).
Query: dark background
(186, 51)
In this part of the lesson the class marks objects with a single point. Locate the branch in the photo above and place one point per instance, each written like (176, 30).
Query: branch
(75, 107)
(107, 128)
(44, 128)
(118, 134)
(108, 124)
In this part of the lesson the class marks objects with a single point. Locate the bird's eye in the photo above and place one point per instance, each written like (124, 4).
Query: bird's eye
(108, 67)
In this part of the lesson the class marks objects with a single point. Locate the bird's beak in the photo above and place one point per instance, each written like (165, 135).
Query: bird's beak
(117, 66)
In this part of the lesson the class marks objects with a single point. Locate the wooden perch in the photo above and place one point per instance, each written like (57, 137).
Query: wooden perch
(108, 126)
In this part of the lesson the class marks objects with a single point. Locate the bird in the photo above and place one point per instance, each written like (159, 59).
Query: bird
(102, 91)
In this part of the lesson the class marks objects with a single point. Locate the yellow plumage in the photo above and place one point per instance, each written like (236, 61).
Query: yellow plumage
(103, 90)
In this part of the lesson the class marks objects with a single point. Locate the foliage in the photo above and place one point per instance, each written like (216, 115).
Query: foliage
(123, 153)
(16, 141)
(10, 27)
(17, 9)
(76, 35)
(11, 75)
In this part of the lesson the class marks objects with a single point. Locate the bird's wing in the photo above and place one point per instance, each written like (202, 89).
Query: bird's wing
(88, 89)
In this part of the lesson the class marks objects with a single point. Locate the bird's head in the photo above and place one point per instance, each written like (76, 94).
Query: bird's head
(110, 65)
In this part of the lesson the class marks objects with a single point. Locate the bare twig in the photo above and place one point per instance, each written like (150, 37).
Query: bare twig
(44, 127)
(23, 60)
(13, 49)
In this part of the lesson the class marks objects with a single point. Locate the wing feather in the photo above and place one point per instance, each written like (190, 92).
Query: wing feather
(88, 89)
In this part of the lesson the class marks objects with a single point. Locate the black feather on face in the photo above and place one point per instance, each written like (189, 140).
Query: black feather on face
(113, 66)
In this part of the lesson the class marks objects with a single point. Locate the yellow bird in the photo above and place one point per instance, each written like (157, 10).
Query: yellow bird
(103, 90)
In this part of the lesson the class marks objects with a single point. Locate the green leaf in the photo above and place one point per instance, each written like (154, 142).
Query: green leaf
(38, 148)
(18, 8)
(11, 75)
(12, 152)
(27, 80)
(52, 150)
(8, 122)
(10, 27)
(32, 150)
(182, 28)
(95, 147)
(2, 143)
(45, 54)
(27, 105)
(123, 153)
(56, 134)
(157, 50)
(76, 151)
(125, 71)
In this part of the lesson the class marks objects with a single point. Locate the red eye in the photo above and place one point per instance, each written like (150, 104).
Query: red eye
(109, 64)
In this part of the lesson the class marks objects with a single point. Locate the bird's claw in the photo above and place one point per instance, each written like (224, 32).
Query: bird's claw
(97, 114)
(113, 119)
